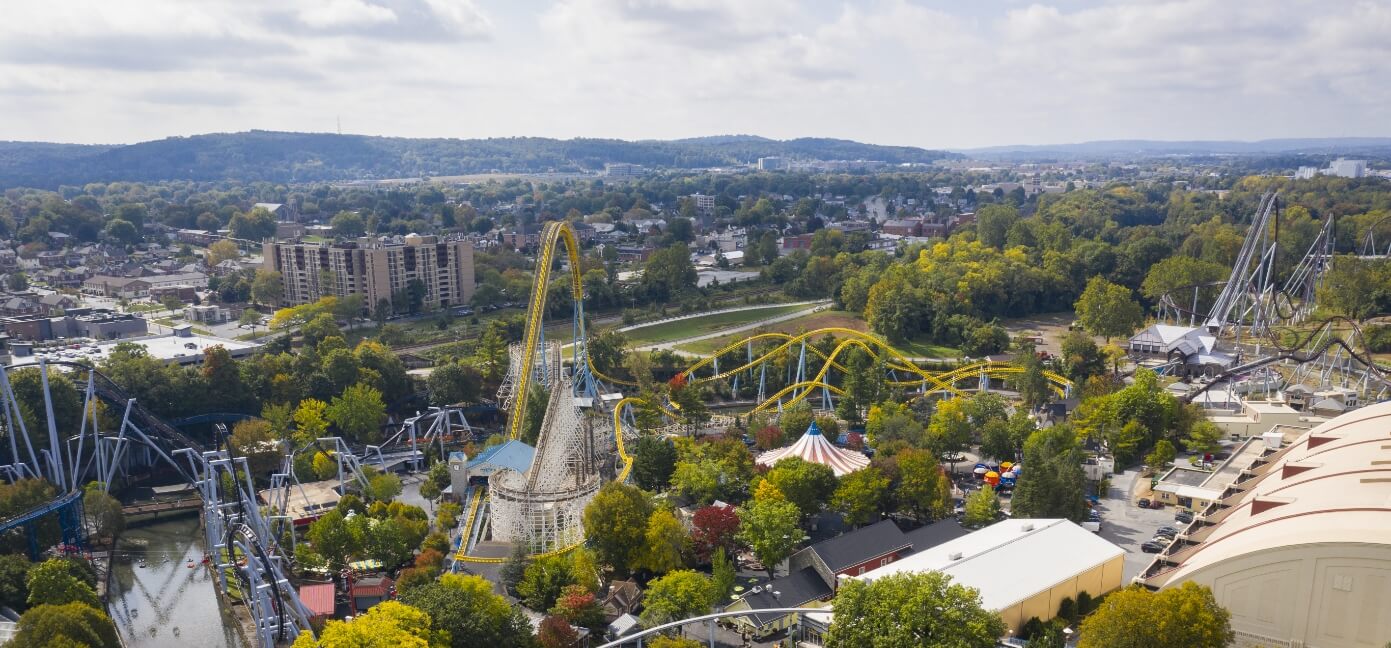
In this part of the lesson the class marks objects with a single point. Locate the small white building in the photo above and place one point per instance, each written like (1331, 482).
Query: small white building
(1195, 347)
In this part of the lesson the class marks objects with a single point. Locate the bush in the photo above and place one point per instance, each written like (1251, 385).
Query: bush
(1067, 609)
(1084, 604)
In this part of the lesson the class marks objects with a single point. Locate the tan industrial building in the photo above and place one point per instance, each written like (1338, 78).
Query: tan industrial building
(1298, 548)
(375, 268)
(1022, 568)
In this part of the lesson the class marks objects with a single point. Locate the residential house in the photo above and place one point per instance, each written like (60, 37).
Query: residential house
(623, 597)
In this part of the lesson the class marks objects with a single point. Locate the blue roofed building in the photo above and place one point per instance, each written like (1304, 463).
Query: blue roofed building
(512, 454)
(465, 472)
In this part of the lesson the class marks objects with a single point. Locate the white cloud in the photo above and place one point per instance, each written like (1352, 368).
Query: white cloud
(891, 71)
(345, 13)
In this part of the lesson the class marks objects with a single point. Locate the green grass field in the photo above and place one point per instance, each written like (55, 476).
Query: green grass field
(923, 349)
(694, 326)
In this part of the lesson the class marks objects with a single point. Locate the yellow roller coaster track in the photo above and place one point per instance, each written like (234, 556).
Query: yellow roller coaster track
(560, 232)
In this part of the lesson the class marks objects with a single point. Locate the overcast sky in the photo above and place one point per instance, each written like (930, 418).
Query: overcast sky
(931, 73)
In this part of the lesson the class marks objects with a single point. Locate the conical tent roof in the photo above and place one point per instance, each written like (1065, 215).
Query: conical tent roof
(813, 447)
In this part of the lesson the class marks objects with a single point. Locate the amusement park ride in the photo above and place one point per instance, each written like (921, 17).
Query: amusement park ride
(588, 421)
(1265, 323)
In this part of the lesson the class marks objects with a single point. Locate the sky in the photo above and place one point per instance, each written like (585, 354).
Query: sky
(929, 73)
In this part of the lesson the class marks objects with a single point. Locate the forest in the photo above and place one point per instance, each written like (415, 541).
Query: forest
(316, 157)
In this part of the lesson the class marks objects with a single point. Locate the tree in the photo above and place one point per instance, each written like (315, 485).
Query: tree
(923, 490)
(348, 224)
(663, 540)
(267, 288)
(14, 571)
(331, 539)
(254, 439)
(383, 487)
(714, 528)
(993, 223)
(892, 424)
(1187, 615)
(388, 624)
(309, 420)
(514, 568)
(122, 231)
(616, 520)
(543, 580)
(654, 461)
(808, 485)
(982, 507)
(689, 401)
(1108, 310)
(769, 527)
(1162, 455)
(17, 281)
(1053, 485)
(995, 441)
(103, 512)
(912, 609)
(795, 420)
(466, 607)
(668, 641)
(1203, 437)
(52, 583)
(255, 225)
(669, 273)
(454, 383)
(555, 632)
(1081, 357)
(1179, 271)
(722, 573)
(1352, 287)
(860, 495)
(949, 430)
(1031, 384)
(578, 605)
(678, 595)
(223, 250)
(72, 624)
(358, 413)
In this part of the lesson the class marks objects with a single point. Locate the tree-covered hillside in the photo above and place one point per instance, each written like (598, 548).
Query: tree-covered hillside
(308, 157)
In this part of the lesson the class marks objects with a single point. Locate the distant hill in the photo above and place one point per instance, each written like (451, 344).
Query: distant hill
(1133, 148)
(309, 157)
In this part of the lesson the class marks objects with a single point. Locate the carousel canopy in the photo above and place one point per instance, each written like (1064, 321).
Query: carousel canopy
(814, 447)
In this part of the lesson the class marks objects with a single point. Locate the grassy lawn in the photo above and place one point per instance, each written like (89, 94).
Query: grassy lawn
(820, 320)
(925, 349)
(694, 326)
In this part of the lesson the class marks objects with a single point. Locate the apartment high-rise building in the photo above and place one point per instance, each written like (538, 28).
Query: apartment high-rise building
(375, 268)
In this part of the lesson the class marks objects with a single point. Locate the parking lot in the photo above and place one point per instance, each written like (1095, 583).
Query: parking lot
(1129, 526)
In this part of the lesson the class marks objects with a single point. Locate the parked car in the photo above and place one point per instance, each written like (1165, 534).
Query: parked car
(1144, 502)
(1152, 547)
(1185, 517)
(1167, 530)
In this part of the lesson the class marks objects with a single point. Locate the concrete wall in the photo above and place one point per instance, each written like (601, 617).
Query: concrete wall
(1044, 604)
(1325, 595)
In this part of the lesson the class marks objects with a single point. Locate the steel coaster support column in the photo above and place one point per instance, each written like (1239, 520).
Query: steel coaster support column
(13, 402)
(55, 457)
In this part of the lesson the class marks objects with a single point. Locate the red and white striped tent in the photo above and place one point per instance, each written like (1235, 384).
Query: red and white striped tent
(814, 447)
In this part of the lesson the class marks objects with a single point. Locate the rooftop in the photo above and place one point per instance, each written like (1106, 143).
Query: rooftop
(793, 590)
(169, 348)
(1002, 561)
(850, 549)
(1332, 485)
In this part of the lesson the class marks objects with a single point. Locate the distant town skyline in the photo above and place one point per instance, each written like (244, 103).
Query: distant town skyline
(929, 73)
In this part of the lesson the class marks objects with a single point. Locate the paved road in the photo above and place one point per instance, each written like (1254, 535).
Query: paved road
(816, 306)
(1127, 525)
